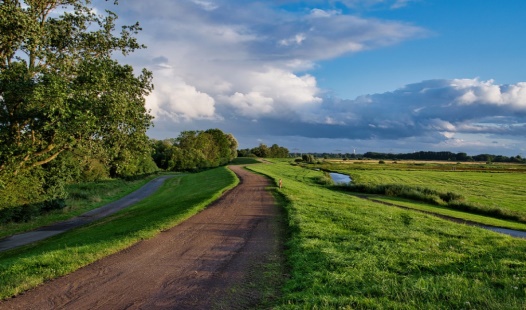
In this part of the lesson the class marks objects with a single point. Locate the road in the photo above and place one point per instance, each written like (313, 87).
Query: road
(88, 217)
(211, 261)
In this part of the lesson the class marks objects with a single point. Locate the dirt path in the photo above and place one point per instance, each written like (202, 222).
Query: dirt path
(211, 261)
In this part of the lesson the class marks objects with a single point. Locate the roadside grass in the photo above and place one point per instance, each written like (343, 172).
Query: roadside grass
(485, 220)
(178, 199)
(344, 252)
(82, 198)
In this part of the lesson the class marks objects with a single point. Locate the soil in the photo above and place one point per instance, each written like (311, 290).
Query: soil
(214, 260)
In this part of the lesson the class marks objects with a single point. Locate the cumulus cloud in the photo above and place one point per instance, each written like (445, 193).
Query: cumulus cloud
(486, 92)
(179, 101)
(245, 69)
(215, 59)
(447, 107)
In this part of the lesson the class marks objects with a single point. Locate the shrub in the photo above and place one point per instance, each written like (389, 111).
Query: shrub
(324, 179)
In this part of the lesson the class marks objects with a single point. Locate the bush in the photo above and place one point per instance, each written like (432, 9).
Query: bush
(324, 179)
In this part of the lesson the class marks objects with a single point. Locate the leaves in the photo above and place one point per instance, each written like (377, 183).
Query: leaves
(61, 90)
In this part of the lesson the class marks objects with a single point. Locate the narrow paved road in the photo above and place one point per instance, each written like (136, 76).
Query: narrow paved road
(211, 261)
(88, 217)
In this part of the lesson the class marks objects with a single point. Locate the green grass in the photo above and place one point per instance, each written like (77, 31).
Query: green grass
(178, 199)
(348, 253)
(485, 220)
(82, 198)
(490, 186)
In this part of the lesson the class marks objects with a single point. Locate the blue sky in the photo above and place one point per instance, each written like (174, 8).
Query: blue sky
(338, 76)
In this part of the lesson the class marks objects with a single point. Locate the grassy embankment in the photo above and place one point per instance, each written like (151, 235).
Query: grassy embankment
(82, 198)
(489, 194)
(178, 199)
(345, 252)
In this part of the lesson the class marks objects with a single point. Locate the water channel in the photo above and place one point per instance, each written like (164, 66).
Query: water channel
(339, 178)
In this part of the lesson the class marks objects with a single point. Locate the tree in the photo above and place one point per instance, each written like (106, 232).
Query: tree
(60, 87)
(195, 150)
(261, 151)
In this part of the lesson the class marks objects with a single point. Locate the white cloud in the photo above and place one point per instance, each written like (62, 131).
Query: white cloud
(219, 64)
(214, 59)
(253, 104)
(296, 40)
(323, 13)
(274, 92)
(179, 101)
(486, 92)
(206, 5)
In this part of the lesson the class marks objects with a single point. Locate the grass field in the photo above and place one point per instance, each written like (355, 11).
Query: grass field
(486, 186)
(178, 199)
(82, 198)
(344, 252)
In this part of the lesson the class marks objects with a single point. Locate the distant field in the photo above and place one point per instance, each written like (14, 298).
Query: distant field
(502, 185)
(348, 253)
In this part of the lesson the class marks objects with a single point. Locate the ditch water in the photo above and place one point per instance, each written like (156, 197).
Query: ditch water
(339, 178)
(511, 232)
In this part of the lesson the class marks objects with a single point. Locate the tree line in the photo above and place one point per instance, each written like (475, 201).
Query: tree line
(444, 156)
(421, 155)
(194, 150)
(275, 151)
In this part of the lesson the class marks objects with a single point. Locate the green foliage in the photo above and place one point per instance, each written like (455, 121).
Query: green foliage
(308, 158)
(68, 110)
(195, 150)
(263, 151)
(324, 179)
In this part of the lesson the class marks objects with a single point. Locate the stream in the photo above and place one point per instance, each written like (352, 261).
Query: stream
(339, 178)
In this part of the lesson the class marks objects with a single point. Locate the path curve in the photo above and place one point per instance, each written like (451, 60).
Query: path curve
(83, 219)
(207, 262)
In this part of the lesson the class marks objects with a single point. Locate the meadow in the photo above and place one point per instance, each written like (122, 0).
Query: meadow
(492, 190)
(344, 252)
(178, 199)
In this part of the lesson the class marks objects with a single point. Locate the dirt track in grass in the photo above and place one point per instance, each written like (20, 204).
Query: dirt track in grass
(214, 260)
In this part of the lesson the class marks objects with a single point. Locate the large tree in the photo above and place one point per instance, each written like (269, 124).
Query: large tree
(61, 88)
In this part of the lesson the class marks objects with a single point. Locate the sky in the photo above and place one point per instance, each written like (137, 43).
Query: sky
(334, 76)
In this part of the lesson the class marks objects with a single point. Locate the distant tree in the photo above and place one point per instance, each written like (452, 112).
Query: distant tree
(275, 151)
(308, 158)
(261, 151)
(193, 150)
